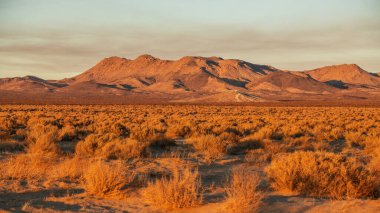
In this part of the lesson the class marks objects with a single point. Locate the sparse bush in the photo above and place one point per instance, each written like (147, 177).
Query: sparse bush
(69, 169)
(354, 139)
(122, 149)
(44, 145)
(178, 131)
(43, 141)
(40, 130)
(212, 146)
(92, 143)
(258, 156)
(182, 190)
(103, 180)
(26, 166)
(243, 194)
(322, 174)
(372, 148)
(120, 130)
(246, 143)
(263, 133)
(67, 133)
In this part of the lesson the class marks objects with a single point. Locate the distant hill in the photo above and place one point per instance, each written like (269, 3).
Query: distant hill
(147, 79)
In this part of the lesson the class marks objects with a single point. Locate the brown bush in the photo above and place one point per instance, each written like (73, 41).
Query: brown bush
(322, 174)
(42, 141)
(242, 191)
(92, 143)
(103, 180)
(70, 169)
(354, 139)
(26, 166)
(178, 131)
(122, 149)
(120, 130)
(67, 133)
(212, 146)
(182, 190)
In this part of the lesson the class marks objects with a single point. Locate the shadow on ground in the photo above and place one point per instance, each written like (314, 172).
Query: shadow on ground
(14, 202)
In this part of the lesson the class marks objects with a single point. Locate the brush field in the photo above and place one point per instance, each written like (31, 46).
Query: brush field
(189, 158)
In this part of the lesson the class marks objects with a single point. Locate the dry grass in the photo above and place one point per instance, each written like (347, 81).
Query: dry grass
(242, 191)
(322, 174)
(182, 190)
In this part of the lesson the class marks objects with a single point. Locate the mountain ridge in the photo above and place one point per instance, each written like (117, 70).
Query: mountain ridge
(195, 78)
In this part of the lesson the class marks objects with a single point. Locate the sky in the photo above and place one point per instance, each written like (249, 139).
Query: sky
(54, 39)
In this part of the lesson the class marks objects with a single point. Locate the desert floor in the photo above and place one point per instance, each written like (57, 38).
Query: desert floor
(48, 153)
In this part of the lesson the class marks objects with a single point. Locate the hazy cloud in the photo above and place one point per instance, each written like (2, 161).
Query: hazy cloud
(62, 50)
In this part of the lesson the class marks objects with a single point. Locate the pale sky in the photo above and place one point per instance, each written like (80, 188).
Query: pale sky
(54, 39)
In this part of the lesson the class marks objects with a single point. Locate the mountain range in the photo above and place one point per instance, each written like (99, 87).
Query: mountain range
(148, 79)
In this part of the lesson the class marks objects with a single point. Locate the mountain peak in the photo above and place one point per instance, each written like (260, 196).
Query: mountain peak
(146, 57)
(113, 60)
(347, 73)
(347, 67)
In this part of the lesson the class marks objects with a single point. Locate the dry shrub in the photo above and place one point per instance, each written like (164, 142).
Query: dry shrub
(178, 131)
(67, 133)
(45, 145)
(354, 139)
(274, 147)
(152, 136)
(120, 130)
(265, 132)
(7, 123)
(111, 146)
(242, 191)
(38, 130)
(182, 190)
(42, 140)
(38, 167)
(93, 142)
(375, 162)
(336, 134)
(70, 169)
(244, 145)
(122, 149)
(26, 166)
(372, 147)
(322, 174)
(103, 180)
(144, 133)
(212, 146)
(258, 156)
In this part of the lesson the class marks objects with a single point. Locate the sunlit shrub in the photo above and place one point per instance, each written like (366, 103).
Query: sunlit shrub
(322, 174)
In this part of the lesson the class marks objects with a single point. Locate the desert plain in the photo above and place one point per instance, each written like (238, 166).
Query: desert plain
(189, 158)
